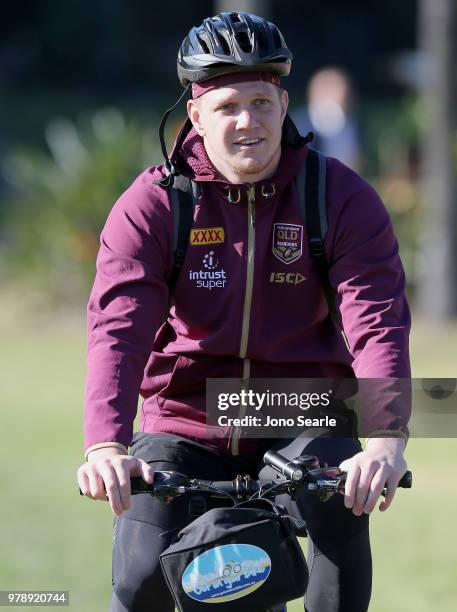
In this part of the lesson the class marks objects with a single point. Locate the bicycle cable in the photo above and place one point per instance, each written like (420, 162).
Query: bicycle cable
(260, 493)
(213, 488)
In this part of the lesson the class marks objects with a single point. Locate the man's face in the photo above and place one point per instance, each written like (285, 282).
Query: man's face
(241, 126)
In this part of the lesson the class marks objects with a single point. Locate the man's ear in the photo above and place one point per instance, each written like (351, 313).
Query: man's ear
(194, 113)
(284, 104)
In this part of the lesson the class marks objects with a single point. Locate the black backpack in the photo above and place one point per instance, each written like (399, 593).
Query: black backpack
(311, 188)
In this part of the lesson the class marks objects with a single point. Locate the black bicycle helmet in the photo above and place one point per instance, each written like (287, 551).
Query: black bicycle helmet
(232, 42)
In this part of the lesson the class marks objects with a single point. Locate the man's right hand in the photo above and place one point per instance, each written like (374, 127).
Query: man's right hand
(106, 476)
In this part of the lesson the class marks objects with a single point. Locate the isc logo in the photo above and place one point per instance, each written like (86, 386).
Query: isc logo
(292, 278)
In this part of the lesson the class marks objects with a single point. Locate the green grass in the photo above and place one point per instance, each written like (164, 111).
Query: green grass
(53, 539)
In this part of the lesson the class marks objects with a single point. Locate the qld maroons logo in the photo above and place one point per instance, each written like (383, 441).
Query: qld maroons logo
(287, 242)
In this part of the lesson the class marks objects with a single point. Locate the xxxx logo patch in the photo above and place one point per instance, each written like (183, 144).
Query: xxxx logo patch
(208, 235)
(287, 242)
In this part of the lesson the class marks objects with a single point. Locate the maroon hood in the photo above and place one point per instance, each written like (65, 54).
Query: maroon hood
(189, 156)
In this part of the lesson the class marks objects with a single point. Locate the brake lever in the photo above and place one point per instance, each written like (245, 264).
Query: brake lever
(325, 482)
(165, 485)
(328, 481)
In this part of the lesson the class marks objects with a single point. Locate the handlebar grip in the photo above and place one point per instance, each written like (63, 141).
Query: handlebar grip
(406, 481)
(138, 485)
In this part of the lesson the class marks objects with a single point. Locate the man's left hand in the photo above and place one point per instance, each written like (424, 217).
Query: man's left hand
(381, 464)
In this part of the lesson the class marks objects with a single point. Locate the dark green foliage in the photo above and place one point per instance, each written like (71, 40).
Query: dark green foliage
(62, 196)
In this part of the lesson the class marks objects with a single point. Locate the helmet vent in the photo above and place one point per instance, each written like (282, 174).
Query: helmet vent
(225, 43)
(244, 42)
(204, 44)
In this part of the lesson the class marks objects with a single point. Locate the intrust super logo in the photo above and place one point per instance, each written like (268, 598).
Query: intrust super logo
(212, 277)
(205, 236)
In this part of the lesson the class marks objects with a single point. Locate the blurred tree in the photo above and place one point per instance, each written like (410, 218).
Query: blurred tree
(63, 196)
(437, 291)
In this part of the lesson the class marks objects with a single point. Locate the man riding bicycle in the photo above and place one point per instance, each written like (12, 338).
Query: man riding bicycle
(232, 318)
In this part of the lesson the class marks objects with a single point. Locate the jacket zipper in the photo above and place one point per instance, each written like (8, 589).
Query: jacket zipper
(236, 432)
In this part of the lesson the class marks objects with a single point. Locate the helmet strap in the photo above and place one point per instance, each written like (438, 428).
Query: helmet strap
(169, 166)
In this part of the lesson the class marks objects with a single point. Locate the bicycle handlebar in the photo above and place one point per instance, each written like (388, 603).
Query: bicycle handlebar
(304, 471)
(301, 472)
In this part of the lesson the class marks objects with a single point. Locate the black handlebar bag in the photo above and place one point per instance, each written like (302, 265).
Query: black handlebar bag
(239, 558)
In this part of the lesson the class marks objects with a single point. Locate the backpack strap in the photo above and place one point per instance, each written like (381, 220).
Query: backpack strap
(311, 185)
(183, 195)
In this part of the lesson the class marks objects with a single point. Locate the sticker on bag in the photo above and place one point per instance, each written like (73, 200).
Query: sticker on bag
(226, 572)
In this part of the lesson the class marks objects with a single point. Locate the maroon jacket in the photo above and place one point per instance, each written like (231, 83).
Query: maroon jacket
(231, 318)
